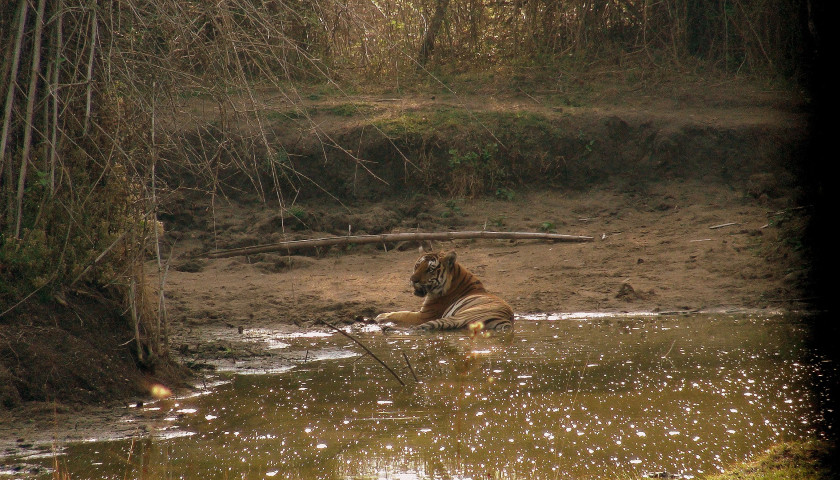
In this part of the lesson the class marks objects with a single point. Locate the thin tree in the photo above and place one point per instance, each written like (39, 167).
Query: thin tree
(428, 44)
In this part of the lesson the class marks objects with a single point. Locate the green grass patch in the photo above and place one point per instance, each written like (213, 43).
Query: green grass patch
(350, 109)
(808, 460)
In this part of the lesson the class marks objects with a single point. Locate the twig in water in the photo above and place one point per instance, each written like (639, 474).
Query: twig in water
(669, 350)
(410, 369)
(366, 349)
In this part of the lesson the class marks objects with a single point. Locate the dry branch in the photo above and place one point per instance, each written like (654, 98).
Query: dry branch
(410, 368)
(366, 349)
(728, 224)
(390, 238)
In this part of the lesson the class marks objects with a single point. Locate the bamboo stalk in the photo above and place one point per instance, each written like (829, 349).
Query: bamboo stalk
(393, 237)
(135, 318)
(53, 159)
(88, 96)
(10, 92)
(30, 106)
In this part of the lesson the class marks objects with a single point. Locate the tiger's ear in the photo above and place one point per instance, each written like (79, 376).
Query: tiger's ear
(449, 259)
(426, 247)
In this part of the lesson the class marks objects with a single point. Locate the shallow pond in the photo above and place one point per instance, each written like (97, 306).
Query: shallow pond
(575, 396)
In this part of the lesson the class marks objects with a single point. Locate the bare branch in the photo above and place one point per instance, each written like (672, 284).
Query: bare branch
(366, 349)
(394, 237)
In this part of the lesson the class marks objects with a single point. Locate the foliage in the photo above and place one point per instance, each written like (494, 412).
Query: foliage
(350, 109)
(298, 212)
(810, 460)
(475, 171)
(453, 208)
(382, 40)
(503, 193)
(76, 166)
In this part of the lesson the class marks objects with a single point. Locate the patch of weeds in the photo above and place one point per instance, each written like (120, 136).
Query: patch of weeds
(794, 242)
(192, 93)
(449, 117)
(274, 116)
(588, 143)
(504, 193)
(452, 209)
(349, 109)
(475, 171)
(297, 212)
(498, 222)
(529, 122)
(190, 266)
(288, 115)
(280, 159)
(547, 227)
(810, 459)
(406, 125)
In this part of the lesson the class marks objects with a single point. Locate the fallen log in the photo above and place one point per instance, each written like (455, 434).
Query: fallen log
(391, 238)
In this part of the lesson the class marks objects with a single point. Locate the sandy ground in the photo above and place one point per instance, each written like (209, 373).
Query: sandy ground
(656, 250)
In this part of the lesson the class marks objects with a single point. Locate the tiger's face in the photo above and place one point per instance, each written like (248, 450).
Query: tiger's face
(430, 273)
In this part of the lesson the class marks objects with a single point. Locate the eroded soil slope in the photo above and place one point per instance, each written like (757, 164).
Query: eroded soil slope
(692, 199)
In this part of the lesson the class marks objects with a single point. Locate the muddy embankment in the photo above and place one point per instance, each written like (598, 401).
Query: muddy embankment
(363, 162)
(647, 180)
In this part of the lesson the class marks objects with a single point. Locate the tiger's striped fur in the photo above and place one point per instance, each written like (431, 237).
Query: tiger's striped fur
(454, 298)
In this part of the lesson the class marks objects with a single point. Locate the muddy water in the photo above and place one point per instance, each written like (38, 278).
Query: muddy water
(582, 396)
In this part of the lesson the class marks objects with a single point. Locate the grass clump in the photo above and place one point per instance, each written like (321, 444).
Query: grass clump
(810, 460)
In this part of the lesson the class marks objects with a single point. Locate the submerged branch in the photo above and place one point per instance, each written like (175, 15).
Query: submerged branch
(366, 349)
(392, 237)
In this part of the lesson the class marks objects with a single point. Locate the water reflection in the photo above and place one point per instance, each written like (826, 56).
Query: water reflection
(586, 397)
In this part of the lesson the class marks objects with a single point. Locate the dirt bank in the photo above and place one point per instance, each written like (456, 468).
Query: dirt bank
(692, 198)
(653, 251)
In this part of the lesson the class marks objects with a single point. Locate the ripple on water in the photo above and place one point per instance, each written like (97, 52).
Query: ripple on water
(597, 396)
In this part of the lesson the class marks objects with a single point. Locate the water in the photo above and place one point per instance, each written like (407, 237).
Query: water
(563, 397)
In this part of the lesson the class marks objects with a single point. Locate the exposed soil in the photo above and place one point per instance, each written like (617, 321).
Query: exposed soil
(700, 212)
(653, 251)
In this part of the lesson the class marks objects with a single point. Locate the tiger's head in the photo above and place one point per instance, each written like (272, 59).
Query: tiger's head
(432, 272)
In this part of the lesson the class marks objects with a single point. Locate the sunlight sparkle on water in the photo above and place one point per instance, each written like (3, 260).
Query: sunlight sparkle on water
(566, 396)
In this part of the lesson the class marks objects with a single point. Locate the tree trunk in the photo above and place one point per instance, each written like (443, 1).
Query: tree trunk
(12, 85)
(29, 119)
(291, 245)
(428, 44)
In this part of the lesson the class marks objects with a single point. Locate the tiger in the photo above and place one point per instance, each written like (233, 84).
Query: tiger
(454, 299)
